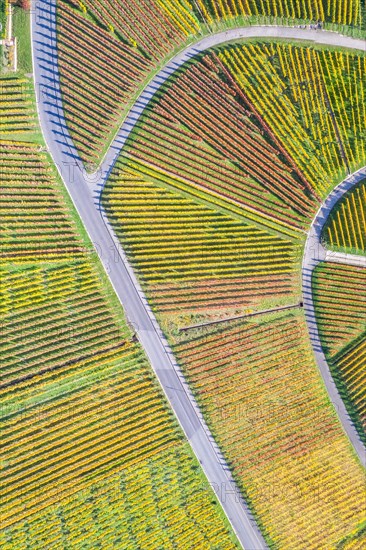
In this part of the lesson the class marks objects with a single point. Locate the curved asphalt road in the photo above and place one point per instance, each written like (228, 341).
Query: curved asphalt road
(85, 192)
(123, 279)
(313, 255)
(98, 179)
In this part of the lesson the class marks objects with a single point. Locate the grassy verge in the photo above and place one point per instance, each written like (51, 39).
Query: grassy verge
(21, 30)
(345, 250)
(2, 18)
(2, 31)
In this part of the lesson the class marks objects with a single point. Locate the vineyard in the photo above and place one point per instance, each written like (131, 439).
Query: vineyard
(136, 38)
(346, 94)
(32, 212)
(339, 297)
(339, 304)
(355, 541)
(260, 391)
(16, 106)
(346, 227)
(206, 132)
(152, 25)
(314, 100)
(210, 198)
(93, 93)
(86, 429)
(102, 511)
(191, 257)
(218, 133)
(346, 13)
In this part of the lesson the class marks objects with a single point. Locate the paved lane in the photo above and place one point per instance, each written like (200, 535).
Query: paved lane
(313, 255)
(124, 282)
(316, 36)
(345, 258)
(85, 192)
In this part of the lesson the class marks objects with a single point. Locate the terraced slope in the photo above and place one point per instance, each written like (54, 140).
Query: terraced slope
(139, 37)
(257, 382)
(194, 259)
(86, 430)
(340, 305)
(314, 102)
(259, 388)
(203, 132)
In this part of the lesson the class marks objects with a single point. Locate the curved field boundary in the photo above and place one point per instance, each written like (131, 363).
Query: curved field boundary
(328, 38)
(85, 193)
(314, 254)
(123, 280)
